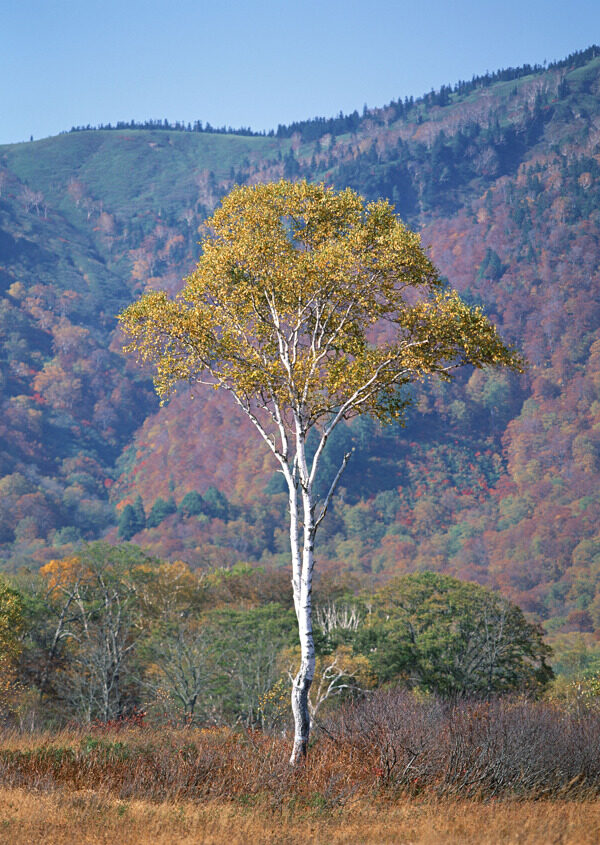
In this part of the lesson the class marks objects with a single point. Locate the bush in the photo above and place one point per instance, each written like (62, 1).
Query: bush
(390, 743)
(472, 748)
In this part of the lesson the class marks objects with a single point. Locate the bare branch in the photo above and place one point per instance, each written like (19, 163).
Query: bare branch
(334, 484)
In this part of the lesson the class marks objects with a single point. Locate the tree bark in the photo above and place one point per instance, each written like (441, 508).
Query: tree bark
(300, 690)
(304, 678)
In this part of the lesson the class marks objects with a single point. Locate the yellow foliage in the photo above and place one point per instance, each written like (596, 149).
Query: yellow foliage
(11, 622)
(62, 573)
(307, 300)
(11, 626)
(17, 290)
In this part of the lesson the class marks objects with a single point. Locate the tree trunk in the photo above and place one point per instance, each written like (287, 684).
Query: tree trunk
(304, 678)
(301, 687)
(300, 711)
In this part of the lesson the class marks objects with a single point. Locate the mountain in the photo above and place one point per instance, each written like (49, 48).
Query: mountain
(495, 478)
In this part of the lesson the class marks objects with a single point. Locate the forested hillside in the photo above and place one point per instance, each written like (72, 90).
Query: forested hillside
(495, 478)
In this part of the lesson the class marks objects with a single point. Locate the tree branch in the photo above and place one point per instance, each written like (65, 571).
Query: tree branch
(334, 484)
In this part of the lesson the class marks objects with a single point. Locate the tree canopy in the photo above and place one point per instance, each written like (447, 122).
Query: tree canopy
(310, 300)
(453, 637)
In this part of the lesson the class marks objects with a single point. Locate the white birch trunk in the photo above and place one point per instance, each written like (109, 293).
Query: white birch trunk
(303, 605)
(298, 475)
(294, 544)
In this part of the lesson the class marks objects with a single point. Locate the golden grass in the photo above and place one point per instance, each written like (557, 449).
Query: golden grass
(141, 785)
(28, 817)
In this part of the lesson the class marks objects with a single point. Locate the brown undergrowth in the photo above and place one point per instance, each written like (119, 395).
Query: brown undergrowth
(391, 744)
(390, 768)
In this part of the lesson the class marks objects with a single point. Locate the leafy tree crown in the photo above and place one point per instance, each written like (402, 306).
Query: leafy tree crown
(310, 300)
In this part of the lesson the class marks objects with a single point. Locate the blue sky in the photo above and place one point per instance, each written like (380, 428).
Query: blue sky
(259, 62)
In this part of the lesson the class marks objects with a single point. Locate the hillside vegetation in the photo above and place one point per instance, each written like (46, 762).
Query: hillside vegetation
(495, 478)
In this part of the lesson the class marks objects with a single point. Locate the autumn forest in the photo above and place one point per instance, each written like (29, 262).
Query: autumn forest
(495, 477)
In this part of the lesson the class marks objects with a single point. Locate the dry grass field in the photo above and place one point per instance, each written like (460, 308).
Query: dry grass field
(393, 770)
(85, 816)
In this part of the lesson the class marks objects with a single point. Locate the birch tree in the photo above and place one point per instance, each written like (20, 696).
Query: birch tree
(309, 307)
(342, 672)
